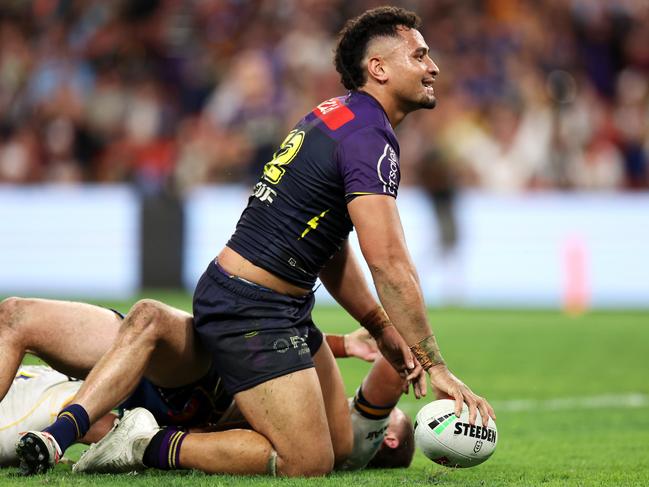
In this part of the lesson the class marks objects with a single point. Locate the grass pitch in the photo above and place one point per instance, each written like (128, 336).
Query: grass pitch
(571, 394)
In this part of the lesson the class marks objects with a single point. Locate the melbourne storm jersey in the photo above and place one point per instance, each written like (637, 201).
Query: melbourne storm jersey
(297, 218)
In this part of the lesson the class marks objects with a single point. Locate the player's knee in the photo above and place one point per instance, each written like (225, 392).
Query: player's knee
(146, 318)
(10, 313)
(316, 464)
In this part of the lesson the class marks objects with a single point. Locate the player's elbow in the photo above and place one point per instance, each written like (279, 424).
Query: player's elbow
(392, 270)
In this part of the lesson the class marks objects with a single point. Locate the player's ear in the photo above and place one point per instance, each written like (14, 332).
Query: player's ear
(391, 441)
(376, 69)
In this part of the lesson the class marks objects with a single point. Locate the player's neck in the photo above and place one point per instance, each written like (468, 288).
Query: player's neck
(392, 109)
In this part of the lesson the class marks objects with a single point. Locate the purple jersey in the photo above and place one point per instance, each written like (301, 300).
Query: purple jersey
(297, 218)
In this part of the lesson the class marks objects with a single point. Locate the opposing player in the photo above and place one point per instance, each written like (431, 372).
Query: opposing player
(338, 169)
(35, 394)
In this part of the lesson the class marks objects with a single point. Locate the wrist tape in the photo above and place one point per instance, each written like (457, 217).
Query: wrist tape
(427, 352)
(375, 321)
(337, 345)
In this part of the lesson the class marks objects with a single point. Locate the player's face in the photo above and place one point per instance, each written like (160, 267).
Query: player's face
(394, 426)
(412, 71)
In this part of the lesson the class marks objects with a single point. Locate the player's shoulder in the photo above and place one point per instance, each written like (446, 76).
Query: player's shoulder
(356, 112)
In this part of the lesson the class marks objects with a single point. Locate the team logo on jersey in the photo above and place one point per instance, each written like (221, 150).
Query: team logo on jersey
(387, 169)
(333, 113)
(274, 170)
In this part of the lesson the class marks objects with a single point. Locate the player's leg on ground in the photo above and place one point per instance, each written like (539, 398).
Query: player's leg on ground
(69, 336)
(151, 331)
(287, 415)
(335, 401)
(156, 341)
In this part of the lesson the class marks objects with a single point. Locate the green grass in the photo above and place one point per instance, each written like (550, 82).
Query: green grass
(504, 355)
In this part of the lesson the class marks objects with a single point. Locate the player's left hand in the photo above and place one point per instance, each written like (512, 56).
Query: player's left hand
(446, 384)
(360, 344)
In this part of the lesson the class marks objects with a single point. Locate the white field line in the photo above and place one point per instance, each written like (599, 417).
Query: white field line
(604, 401)
(629, 400)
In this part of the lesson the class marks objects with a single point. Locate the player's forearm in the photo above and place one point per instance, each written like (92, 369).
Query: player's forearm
(400, 294)
(344, 280)
(382, 385)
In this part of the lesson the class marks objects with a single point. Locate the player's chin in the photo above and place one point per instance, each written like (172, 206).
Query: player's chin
(428, 102)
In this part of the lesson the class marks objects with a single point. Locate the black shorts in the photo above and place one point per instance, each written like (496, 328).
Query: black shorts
(201, 403)
(254, 334)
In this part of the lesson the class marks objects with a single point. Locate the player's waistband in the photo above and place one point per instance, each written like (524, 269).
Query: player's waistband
(251, 290)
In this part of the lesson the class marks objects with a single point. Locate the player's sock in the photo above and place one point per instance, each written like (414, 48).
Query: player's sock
(163, 451)
(369, 410)
(369, 423)
(71, 424)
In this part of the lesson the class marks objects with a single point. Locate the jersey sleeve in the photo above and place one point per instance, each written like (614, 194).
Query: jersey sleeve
(368, 164)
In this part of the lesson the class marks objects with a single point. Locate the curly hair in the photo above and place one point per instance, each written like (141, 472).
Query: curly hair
(357, 34)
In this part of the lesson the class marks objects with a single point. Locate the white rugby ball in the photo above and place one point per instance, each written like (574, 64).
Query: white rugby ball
(451, 441)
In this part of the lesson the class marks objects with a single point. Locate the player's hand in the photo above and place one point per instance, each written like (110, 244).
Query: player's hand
(360, 344)
(446, 384)
(395, 350)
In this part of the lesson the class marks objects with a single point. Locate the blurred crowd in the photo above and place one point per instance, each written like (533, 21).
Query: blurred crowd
(170, 94)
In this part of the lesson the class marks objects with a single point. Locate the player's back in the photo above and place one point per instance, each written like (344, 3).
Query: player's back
(297, 218)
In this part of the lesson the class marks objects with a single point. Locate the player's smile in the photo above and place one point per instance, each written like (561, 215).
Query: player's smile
(428, 84)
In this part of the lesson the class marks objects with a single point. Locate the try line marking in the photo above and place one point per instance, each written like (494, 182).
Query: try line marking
(604, 401)
(628, 400)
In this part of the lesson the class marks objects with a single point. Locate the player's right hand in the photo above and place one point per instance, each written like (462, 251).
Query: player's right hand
(395, 350)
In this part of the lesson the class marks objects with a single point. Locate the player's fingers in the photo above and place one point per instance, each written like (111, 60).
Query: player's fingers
(419, 386)
(459, 403)
(408, 359)
(415, 373)
(473, 408)
(484, 411)
(490, 410)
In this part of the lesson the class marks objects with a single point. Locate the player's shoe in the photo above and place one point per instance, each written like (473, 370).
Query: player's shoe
(38, 452)
(122, 449)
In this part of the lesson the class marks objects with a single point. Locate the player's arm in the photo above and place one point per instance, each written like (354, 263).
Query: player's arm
(382, 242)
(343, 278)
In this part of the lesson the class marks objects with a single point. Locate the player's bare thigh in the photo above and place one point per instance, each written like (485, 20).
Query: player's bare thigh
(335, 402)
(289, 411)
(69, 336)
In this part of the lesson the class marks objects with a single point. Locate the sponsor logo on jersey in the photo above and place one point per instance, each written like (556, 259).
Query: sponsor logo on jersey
(333, 113)
(263, 192)
(376, 434)
(387, 168)
(475, 431)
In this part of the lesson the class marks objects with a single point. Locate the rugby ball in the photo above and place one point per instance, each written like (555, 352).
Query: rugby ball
(451, 441)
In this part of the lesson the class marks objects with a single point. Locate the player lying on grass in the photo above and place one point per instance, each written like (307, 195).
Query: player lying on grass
(72, 336)
(383, 435)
